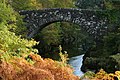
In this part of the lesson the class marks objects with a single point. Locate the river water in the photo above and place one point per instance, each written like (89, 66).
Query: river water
(76, 63)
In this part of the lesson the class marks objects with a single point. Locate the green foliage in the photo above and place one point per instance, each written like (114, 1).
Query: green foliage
(11, 20)
(20, 26)
(64, 56)
(63, 3)
(51, 34)
(30, 61)
(117, 58)
(88, 75)
(108, 4)
(13, 45)
(112, 4)
(50, 37)
(56, 3)
(25, 4)
(10, 44)
(7, 17)
(74, 38)
(111, 44)
(112, 39)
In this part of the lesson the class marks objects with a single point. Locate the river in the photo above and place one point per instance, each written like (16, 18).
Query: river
(76, 63)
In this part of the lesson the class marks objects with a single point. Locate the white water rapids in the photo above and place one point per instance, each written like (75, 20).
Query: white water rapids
(76, 63)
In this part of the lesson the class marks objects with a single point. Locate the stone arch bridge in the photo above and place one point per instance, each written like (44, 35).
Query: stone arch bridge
(90, 21)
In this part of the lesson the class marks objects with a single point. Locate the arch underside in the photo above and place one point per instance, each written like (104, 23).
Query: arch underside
(88, 20)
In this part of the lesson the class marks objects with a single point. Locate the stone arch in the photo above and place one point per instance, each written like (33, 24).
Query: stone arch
(89, 20)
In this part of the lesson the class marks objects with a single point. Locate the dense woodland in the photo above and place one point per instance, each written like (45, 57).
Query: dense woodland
(42, 58)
